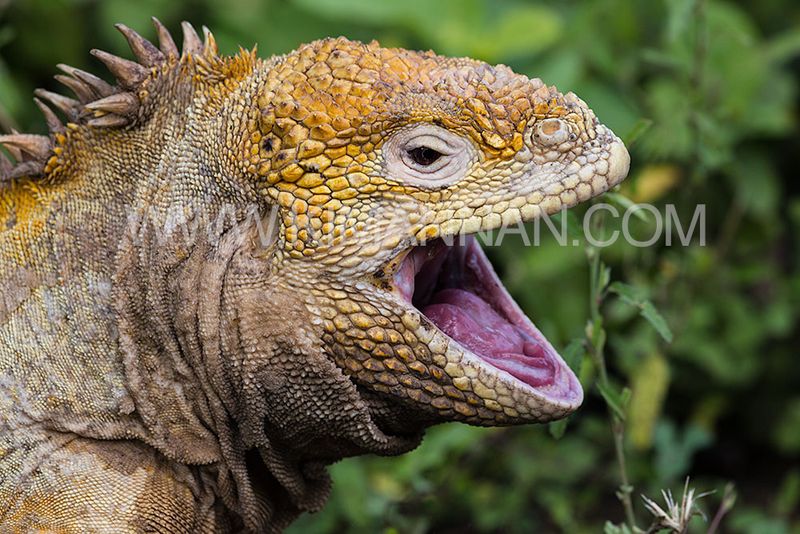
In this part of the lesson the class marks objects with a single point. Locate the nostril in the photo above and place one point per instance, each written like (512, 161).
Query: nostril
(551, 132)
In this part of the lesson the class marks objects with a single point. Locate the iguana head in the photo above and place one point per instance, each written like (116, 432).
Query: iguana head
(371, 313)
(384, 162)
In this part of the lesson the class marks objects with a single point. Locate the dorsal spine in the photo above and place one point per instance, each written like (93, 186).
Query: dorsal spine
(99, 104)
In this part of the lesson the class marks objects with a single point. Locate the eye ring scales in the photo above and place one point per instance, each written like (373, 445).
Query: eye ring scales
(427, 156)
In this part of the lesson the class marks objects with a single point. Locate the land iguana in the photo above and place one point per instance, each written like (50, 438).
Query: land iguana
(220, 275)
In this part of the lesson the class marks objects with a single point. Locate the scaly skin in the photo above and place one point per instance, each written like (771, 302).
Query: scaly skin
(170, 361)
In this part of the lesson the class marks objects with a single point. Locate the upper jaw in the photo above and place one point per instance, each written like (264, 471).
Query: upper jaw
(543, 184)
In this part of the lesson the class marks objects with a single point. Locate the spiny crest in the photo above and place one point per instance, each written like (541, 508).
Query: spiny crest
(99, 104)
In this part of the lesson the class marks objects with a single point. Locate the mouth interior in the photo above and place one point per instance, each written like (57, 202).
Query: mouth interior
(456, 288)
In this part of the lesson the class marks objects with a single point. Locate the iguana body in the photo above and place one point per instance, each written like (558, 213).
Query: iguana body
(215, 279)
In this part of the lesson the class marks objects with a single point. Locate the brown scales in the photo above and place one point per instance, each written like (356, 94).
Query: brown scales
(99, 104)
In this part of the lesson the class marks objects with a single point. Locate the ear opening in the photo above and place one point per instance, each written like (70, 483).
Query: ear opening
(267, 229)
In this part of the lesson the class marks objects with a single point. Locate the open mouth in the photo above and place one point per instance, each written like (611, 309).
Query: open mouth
(456, 288)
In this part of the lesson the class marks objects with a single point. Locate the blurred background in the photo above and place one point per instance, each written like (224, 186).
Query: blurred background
(701, 342)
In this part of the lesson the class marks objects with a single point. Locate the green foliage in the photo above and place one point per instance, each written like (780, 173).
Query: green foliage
(675, 449)
(689, 359)
(631, 295)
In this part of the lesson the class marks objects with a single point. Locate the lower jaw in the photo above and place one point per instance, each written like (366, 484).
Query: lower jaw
(467, 303)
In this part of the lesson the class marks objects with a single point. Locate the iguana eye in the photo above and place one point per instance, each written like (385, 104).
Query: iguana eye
(427, 155)
(423, 155)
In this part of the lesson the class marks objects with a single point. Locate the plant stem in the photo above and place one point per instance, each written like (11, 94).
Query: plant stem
(695, 89)
(728, 499)
(596, 340)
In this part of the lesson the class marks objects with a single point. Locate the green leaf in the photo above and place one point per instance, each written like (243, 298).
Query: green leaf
(626, 204)
(617, 401)
(656, 320)
(611, 528)
(788, 497)
(635, 297)
(785, 46)
(679, 19)
(649, 383)
(639, 128)
(662, 59)
(557, 428)
(605, 277)
(573, 354)
(629, 294)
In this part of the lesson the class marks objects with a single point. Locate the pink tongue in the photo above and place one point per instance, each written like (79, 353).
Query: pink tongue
(471, 321)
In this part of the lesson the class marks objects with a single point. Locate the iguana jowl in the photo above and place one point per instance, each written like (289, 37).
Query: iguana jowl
(158, 376)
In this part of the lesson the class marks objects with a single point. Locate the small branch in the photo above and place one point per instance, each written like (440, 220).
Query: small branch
(596, 341)
(695, 83)
(728, 500)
